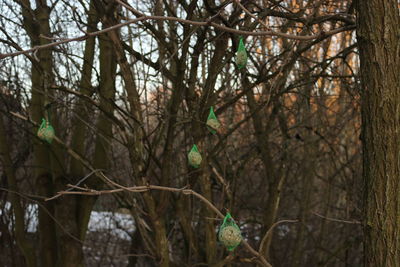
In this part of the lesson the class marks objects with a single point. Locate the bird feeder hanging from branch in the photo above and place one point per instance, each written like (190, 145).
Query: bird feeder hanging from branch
(241, 55)
(229, 233)
(194, 157)
(46, 131)
(212, 122)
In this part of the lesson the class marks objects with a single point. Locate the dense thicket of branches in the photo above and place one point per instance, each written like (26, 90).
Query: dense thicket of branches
(130, 103)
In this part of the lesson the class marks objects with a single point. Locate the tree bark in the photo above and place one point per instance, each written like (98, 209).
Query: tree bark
(23, 243)
(378, 35)
(74, 211)
(307, 173)
(36, 23)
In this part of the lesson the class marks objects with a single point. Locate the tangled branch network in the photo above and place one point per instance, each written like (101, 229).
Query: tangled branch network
(142, 17)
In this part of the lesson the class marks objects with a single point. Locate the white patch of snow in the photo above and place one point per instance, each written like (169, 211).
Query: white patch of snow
(117, 224)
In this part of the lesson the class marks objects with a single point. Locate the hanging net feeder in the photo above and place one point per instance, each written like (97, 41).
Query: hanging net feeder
(241, 55)
(46, 131)
(212, 122)
(229, 233)
(194, 157)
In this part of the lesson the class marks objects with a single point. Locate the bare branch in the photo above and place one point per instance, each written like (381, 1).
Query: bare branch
(183, 21)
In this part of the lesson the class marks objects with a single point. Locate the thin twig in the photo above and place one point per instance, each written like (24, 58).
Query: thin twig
(251, 15)
(134, 189)
(184, 21)
(46, 211)
(336, 220)
(269, 232)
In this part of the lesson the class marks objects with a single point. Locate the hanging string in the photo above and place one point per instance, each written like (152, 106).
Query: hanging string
(47, 107)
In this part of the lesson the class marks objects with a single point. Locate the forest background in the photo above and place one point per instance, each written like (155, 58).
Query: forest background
(128, 85)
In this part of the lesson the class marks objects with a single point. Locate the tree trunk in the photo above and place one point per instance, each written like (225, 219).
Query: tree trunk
(36, 23)
(74, 211)
(23, 243)
(307, 168)
(378, 36)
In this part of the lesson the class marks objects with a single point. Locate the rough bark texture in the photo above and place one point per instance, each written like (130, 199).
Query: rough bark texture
(23, 243)
(378, 35)
(36, 22)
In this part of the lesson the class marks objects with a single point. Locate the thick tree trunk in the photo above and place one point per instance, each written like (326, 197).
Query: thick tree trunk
(378, 35)
(307, 174)
(23, 243)
(36, 22)
(79, 135)
(75, 211)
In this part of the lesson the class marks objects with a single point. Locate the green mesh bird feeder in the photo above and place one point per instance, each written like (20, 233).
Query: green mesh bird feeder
(241, 55)
(46, 131)
(212, 122)
(194, 157)
(229, 233)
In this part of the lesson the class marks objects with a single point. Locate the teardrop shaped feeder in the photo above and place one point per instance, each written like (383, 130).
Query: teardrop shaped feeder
(194, 157)
(212, 122)
(241, 55)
